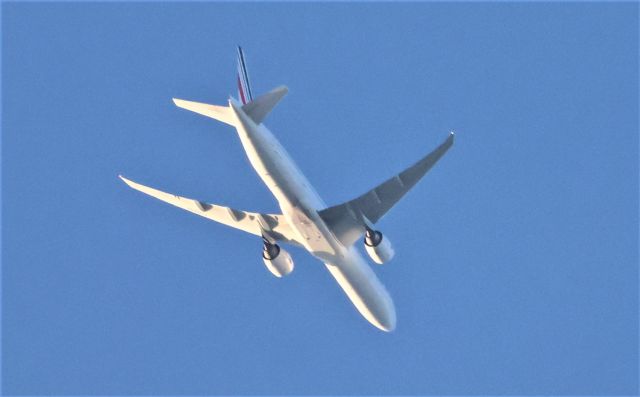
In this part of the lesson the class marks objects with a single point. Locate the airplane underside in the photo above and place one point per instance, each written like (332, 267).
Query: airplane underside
(328, 233)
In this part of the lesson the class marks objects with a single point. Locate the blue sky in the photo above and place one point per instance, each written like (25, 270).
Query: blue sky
(517, 256)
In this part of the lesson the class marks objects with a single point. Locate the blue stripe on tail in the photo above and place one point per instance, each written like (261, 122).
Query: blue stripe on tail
(244, 88)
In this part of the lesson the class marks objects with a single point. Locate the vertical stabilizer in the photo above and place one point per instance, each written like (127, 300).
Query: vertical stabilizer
(244, 89)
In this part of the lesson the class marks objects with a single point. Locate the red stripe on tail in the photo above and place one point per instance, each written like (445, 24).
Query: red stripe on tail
(241, 92)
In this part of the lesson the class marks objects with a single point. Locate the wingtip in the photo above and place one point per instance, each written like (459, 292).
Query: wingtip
(125, 180)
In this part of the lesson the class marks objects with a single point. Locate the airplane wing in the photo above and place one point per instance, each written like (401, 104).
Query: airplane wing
(348, 220)
(271, 225)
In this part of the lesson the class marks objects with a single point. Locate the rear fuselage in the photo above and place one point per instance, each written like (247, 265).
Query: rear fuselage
(300, 203)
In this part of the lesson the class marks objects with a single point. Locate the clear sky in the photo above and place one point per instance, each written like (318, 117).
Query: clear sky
(516, 268)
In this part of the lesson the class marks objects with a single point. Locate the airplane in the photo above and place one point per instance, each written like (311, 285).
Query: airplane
(327, 233)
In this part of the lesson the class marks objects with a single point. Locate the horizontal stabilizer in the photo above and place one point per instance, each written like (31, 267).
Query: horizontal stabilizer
(260, 107)
(220, 113)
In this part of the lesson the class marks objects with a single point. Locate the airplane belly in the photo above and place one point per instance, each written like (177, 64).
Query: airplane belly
(312, 232)
(299, 204)
(347, 266)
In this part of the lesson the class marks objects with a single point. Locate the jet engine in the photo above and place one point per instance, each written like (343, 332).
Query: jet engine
(378, 247)
(277, 260)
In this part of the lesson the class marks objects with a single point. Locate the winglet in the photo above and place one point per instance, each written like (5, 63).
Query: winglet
(125, 180)
(451, 138)
(130, 183)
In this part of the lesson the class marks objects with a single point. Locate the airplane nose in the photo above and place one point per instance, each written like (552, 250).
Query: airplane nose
(386, 321)
(388, 324)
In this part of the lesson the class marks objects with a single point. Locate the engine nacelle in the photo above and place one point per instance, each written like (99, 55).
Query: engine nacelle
(277, 260)
(378, 247)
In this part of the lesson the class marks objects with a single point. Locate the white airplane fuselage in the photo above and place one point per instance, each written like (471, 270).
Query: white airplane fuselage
(300, 204)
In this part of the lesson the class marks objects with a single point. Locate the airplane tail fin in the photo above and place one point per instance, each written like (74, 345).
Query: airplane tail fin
(257, 109)
(244, 88)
